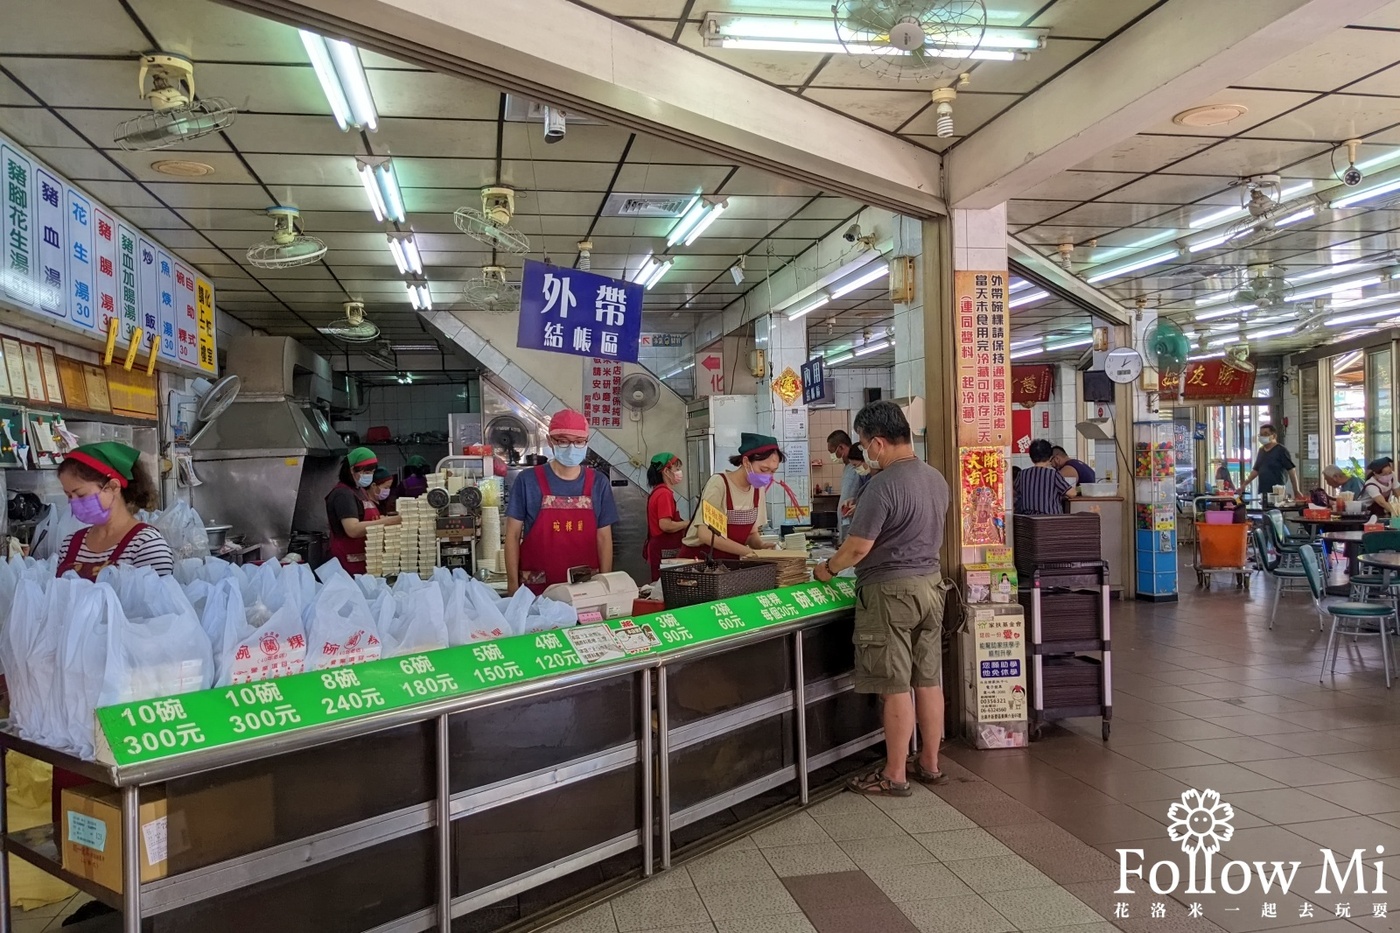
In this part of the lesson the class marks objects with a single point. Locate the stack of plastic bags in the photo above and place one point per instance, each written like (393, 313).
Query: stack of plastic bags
(69, 646)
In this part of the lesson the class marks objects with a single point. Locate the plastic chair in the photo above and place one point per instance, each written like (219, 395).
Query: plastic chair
(1372, 584)
(1273, 566)
(1349, 618)
(1288, 545)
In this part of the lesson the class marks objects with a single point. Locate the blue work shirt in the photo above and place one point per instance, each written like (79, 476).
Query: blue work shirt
(526, 497)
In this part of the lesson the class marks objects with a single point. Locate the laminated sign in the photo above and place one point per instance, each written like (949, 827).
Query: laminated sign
(572, 311)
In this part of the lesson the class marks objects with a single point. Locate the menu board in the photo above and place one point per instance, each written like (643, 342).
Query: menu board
(984, 364)
(154, 729)
(68, 260)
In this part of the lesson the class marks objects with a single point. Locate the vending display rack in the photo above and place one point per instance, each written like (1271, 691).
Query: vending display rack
(1069, 647)
(1154, 475)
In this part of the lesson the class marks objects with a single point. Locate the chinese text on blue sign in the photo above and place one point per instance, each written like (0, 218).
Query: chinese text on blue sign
(813, 381)
(571, 311)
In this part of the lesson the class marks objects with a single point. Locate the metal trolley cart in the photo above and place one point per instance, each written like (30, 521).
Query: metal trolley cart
(1069, 649)
(1221, 540)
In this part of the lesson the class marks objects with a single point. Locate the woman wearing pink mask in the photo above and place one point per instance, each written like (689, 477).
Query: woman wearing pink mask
(106, 485)
(739, 494)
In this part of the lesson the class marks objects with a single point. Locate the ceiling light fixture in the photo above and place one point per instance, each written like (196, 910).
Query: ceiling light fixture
(782, 33)
(872, 348)
(863, 277)
(659, 272)
(710, 216)
(419, 296)
(842, 358)
(1210, 115)
(1298, 217)
(690, 217)
(1223, 312)
(406, 256)
(1365, 195)
(1017, 285)
(1374, 314)
(342, 76)
(1135, 265)
(1329, 270)
(1332, 288)
(1029, 351)
(183, 168)
(1029, 298)
(1069, 345)
(382, 188)
(808, 308)
(1207, 244)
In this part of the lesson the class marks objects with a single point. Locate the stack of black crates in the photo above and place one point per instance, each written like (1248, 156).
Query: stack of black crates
(1064, 589)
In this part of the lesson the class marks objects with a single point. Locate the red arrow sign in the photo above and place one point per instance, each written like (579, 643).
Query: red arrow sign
(712, 362)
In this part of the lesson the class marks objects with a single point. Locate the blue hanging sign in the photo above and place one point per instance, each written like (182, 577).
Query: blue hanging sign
(572, 311)
(813, 381)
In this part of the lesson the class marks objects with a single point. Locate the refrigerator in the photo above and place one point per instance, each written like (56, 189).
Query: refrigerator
(713, 426)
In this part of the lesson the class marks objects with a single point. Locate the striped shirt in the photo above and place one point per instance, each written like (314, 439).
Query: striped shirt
(1040, 490)
(147, 549)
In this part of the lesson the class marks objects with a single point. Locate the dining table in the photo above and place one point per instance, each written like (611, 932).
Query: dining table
(1350, 542)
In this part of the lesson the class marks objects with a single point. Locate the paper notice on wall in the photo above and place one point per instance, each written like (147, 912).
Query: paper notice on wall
(1313, 447)
(594, 643)
(799, 461)
(794, 425)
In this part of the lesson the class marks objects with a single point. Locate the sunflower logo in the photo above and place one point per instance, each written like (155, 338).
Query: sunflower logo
(1201, 822)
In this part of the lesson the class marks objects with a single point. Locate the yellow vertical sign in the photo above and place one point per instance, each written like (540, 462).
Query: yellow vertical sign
(204, 300)
(714, 518)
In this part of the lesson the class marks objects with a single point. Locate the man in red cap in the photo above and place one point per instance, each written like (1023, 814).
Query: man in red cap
(560, 514)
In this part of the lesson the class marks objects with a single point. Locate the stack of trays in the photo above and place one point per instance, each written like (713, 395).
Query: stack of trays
(374, 550)
(1056, 539)
(490, 536)
(791, 565)
(412, 513)
(1071, 681)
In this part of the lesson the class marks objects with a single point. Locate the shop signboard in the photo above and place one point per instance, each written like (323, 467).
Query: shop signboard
(66, 259)
(602, 393)
(1207, 380)
(813, 380)
(186, 317)
(982, 491)
(662, 340)
(154, 729)
(1031, 385)
(204, 303)
(709, 373)
(572, 311)
(983, 371)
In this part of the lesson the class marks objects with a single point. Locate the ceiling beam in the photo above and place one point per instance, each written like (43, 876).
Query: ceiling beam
(570, 56)
(1170, 60)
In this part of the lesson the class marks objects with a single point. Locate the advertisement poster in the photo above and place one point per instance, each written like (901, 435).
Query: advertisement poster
(1020, 430)
(982, 487)
(1001, 664)
(984, 368)
(602, 393)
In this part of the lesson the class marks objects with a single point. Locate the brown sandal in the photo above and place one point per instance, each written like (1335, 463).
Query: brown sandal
(875, 784)
(924, 776)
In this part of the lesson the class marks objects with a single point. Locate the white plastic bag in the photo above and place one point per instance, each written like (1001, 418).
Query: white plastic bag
(84, 612)
(156, 647)
(340, 629)
(29, 647)
(418, 623)
(484, 605)
(266, 638)
(54, 529)
(516, 609)
(547, 614)
(182, 529)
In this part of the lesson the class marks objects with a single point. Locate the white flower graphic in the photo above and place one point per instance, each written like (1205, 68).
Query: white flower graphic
(1200, 821)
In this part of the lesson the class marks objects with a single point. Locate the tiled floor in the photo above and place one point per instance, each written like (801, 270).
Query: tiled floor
(1206, 697)
(48, 919)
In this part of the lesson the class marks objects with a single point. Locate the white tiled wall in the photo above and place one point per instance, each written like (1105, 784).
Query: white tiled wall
(1062, 414)
(409, 409)
(852, 383)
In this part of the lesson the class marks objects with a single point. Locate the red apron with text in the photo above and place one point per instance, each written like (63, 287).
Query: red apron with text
(661, 545)
(351, 551)
(741, 522)
(88, 571)
(564, 535)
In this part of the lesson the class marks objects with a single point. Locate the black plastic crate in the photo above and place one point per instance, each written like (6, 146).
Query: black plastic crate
(683, 586)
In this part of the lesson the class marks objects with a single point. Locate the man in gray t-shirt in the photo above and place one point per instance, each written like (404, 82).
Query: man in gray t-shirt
(893, 545)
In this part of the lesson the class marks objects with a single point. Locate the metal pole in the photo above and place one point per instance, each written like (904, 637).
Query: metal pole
(131, 859)
(799, 692)
(444, 828)
(663, 750)
(5, 921)
(648, 842)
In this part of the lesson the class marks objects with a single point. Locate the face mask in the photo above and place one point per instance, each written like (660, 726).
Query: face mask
(1384, 479)
(862, 471)
(676, 477)
(382, 495)
(570, 456)
(760, 480)
(89, 510)
(1267, 439)
(364, 480)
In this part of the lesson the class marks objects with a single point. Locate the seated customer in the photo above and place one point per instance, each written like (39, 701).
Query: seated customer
(1041, 489)
(1076, 471)
(1340, 481)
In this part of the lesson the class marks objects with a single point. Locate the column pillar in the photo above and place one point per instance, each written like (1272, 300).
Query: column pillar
(785, 343)
(909, 371)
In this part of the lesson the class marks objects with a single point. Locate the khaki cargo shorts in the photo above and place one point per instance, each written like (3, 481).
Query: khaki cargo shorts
(899, 635)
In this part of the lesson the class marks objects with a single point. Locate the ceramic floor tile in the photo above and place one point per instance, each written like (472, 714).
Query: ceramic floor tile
(1241, 749)
(797, 829)
(811, 859)
(999, 873)
(597, 920)
(729, 865)
(779, 923)
(1365, 797)
(1224, 778)
(835, 890)
(1041, 908)
(902, 883)
(869, 825)
(960, 844)
(650, 909)
(963, 914)
(1169, 755)
(1185, 730)
(1300, 772)
(748, 899)
(1289, 805)
(1255, 724)
(885, 851)
(1109, 824)
(877, 918)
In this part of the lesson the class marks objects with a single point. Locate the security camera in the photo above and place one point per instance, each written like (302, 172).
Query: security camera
(553, 125)
(1352, 176)
(852, 233)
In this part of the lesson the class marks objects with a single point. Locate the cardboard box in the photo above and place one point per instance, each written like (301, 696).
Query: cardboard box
(92, 834)
(224, 820)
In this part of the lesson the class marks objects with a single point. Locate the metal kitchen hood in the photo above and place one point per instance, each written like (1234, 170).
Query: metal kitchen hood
(276, 413)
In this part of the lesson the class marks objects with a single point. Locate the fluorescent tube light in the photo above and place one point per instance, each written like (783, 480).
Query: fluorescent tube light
(872, 347)
(388, 183)
(807, 308)
(1029, 298)
(372, 191)
(843, 358)
(865, 278)
(1332, 288)
(644, 272)
(1367, 194)
(1216, 298)
(1016, 344)
(1298, 217)
(1373, 314)
(342, 76)
(1018, 284)
(1326, 271)
(689, 218)
(1205, 356)
(1207, 244)
(1223, 312)
(419, 296)
(661, 271)
(709, 217)
(1135, 265)
(406, 255)
(834, 47)
(396, 248)
(1268, 332)
(1029, 351)
(1070, 345)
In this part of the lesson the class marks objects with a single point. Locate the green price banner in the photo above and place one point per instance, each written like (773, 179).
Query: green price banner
(151, 730)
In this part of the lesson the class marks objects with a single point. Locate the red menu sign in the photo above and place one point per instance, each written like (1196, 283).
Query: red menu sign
(1207, 379)
(602, 393)
(984, 371)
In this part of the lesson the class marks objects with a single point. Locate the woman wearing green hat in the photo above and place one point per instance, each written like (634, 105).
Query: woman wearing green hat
(665, 528)
(106, 485)
(739, 494)
(415, 478)
(349, 511)
(380, 498)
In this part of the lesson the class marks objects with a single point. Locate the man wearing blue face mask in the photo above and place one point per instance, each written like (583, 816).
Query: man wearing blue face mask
(560, 514)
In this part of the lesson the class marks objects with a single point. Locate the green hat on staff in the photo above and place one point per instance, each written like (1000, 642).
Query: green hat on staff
(415, 461)
(752, 446)
(381, 474)
(112, 460)
(361, 457)
(663, 459)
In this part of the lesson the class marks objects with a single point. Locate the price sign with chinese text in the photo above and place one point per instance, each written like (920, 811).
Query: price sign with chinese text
(572, 311)
(714, 518)
(984, 365)
(150, 730)
(602, 393)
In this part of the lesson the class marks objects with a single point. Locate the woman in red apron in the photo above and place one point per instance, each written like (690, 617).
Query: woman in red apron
(106, 485)
(665, 529)
(349, 513)
(560, 514)
(739, 493)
